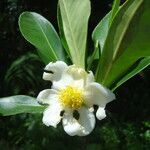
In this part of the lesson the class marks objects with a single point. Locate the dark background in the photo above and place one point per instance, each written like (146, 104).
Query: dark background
(127, 125)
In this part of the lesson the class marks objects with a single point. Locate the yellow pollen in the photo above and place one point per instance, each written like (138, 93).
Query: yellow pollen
(71, 97)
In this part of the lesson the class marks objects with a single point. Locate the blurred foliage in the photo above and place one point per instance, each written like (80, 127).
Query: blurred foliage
(127, 126)
(25, 77)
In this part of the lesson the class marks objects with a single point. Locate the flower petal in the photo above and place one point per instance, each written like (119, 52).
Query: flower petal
(78, 84)
(73, 76)
(67, 80)
(86, 120)
(100, 114)
(81, 127)
(56, 70)
(76, 72)
(63, 82)
(90, 78)
(71, 125)
(47, 96)
(51, 116)
(97, 94)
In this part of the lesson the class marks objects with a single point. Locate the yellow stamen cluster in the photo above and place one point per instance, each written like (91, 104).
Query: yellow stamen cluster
(71, 97)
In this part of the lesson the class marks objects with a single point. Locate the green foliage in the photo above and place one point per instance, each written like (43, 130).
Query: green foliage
(120, 52)
(115, 8)
(23, 77)
(40, 32)
(73, 24)
(19, 78)
(19, 104)
(99, 35)
(100, 32)
(128, 127)
(112, 38)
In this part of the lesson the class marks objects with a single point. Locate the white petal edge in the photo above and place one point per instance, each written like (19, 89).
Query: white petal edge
(97, 94)
(51, 116)
(57, 68)
(101, 114)
(47, 96)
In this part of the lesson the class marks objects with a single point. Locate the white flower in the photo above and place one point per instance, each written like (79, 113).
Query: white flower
(71, 98)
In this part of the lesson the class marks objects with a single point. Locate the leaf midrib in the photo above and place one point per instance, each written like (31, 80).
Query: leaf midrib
(74, 43)
(46, 38)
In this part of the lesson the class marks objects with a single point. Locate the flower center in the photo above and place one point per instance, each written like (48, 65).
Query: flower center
(71, 97)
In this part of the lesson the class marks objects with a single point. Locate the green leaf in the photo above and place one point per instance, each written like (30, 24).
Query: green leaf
(40, 32)
(142, 64)
(61, 32)
(115, 8)
(127, 41)
(73, 16)
(100, 32)
(99, 37)
(19, 104)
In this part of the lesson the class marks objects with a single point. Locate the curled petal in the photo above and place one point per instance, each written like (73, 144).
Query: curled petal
(98, 95)
(55, 71)
(51, 116)
(47, 96)
(101, 114)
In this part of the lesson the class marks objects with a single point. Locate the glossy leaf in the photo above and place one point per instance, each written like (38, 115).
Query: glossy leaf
(73, 16)
(19, 104)
(127, 41)
(40, 32)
